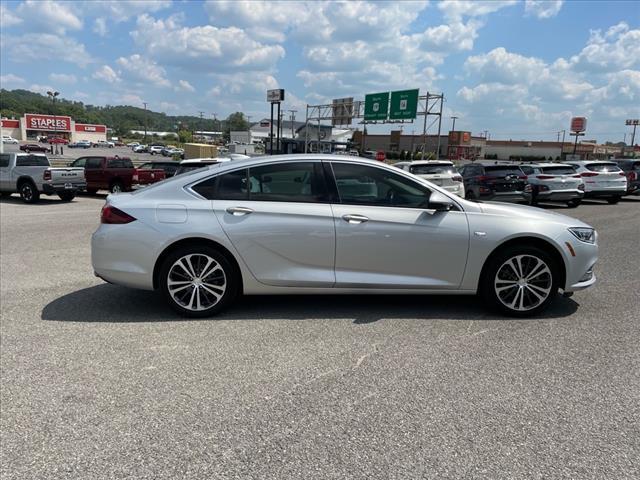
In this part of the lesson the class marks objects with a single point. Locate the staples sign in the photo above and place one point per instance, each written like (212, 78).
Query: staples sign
(48, 122)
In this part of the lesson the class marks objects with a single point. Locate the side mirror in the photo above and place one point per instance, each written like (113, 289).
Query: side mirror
(440, 202)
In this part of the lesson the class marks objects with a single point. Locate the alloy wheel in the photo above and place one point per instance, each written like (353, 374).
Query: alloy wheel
(196, 282)
(27, 192)
(523, 282)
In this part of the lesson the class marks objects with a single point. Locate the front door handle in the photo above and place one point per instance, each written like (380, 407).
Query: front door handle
(355, 219)
(238, 211)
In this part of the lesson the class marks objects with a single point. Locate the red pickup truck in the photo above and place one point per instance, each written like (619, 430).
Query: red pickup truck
(116, 174)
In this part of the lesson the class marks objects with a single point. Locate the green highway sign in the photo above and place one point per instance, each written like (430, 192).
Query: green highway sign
(376, 106)
(404, 105)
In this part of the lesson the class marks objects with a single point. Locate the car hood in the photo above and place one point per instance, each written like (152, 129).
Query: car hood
(534, 213)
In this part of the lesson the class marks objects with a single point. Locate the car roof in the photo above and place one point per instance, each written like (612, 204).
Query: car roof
(495, 164)
(544, 165)
(588, 162)
(430, 162)
(204, 160)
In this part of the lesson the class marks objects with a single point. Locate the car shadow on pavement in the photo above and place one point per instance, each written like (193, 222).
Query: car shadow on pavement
(44, 201)
(110, 303)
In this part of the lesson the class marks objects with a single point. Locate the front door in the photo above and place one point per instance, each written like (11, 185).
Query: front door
(387, 237)
(279, 219)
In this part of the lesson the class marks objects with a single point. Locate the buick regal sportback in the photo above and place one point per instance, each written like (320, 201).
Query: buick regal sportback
(323, 224)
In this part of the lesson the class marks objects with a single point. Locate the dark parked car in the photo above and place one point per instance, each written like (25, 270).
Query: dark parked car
(168, 167)
(631, 169)
(495, 181)
(34, 147)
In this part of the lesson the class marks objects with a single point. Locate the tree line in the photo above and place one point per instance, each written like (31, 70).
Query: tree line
(121, 118)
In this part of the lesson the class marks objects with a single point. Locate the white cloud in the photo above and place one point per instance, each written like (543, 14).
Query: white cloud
(452, 37)
(185, 86)
(203, 47)
(501, 66)
(47, 15)
(42, 89)
(617, 48)
(100, 26)
(8, 18)
(106, 74)
(63, 78)
(121, 10)
(456, 9)
(11, 80)
(543, 8)
(144, 70)
(131, 99)
(34, 47)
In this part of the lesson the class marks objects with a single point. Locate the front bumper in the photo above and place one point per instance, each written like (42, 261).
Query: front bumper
(580, 260)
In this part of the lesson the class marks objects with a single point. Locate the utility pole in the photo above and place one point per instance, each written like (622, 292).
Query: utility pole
(200, 124)
(293, 119)
(635, 122)
(53, 96)
(453, 127)
(145, 123)
(485, 134)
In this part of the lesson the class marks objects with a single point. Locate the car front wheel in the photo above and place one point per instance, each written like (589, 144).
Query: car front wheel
(198, 281)
(521, 281)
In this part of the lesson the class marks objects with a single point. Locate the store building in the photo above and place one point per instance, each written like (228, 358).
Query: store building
(32, 127)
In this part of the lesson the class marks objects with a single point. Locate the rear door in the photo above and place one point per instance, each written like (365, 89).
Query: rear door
(279, 219)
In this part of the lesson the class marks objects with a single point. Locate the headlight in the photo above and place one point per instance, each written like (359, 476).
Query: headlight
(584, 234)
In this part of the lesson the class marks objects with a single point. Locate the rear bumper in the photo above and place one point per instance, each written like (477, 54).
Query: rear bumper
(609, 192)
(506, 196)
(560, 195)
(53, 188)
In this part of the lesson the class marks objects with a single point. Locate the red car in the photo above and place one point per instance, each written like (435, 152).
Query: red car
(57, 140)
(33, 147)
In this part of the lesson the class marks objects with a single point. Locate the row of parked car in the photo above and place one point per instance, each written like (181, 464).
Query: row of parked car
(567, 182)
(157, 149)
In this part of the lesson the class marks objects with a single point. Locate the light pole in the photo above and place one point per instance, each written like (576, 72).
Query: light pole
(453, 127)
(145, 122)
(293, 119)
(52, 96)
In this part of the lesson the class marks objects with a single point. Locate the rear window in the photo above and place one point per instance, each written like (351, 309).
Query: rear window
(558, 170)
(119, 163)
(190, 167)
(32, 161)
(502, 171)
(603, 167)
(443, 169)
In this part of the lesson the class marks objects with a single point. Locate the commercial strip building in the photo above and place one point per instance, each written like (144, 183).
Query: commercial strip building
(31, 127)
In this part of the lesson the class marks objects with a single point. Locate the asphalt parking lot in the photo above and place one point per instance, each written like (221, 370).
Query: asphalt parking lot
(100, 381)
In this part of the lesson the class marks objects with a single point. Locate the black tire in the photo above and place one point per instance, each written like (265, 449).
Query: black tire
(574, 203)
(27, 150)
(92, 191)
(613, 200)
(543, 281)
(116, 187)
(228, 292)
(469, 195)
(67, 196)
(29, 193)
(5, 194)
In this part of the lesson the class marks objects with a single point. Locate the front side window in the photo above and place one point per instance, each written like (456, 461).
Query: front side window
(366, 185)
(79, 162)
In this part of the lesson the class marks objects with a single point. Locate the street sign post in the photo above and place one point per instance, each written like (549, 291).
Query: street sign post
(404, 105)
(274, 97)
(376, 106)
(342, 111)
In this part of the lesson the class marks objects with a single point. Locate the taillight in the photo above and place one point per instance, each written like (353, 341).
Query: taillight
(135, 176)
(622, 174)
(633, 176)
(46, 175)
(457, 178)
(576, 176)
(589, 174)
(545, 177)
(483, 178)
(523, 177)
(113, 215)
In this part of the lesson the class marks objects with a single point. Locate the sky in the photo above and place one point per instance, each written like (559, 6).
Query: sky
(517, 69)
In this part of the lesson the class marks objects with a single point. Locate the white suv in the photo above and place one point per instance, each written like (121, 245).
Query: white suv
(439, 172)
(9, 139)
(602, 179)
(555, 182)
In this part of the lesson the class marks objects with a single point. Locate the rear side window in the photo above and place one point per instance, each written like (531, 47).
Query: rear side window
(119, 163)
(442, 169)
(287, 182)
(603, 167)
(502, 171)
(32, 161)
(527, 170)
(229, 186)
(558, 170)
(4, 160)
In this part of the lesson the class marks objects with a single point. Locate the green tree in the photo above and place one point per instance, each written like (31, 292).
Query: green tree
(185, 136)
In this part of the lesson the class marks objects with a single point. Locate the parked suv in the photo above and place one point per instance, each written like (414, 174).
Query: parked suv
(631, 168)
(556, 182)
(495, 181)
(9, 139)
(602, 179)
(439, 172)
(31, 175)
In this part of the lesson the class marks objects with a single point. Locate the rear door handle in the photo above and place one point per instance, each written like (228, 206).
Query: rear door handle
(238, 211)
(355, 219)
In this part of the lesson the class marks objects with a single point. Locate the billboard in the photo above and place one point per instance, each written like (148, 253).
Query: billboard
(376, 106)
(459, 138)
(47, 122)
(275, 95)
(342, 111)
(83, 127)
(404, 105)
(578, 124)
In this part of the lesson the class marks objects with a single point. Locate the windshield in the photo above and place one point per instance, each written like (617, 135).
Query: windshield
(437, 169)
(603, 167)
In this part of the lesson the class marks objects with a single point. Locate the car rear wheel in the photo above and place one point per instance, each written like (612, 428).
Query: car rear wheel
(521, 281)
(67, 196)
(574, 203)
(198, 281)
(613, 200)
(29, 193)
(116, 187)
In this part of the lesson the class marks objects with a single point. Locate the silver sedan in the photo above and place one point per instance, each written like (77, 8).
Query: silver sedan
(323, 224)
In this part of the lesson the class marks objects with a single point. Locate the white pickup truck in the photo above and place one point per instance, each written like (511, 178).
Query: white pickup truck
(31, 174)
